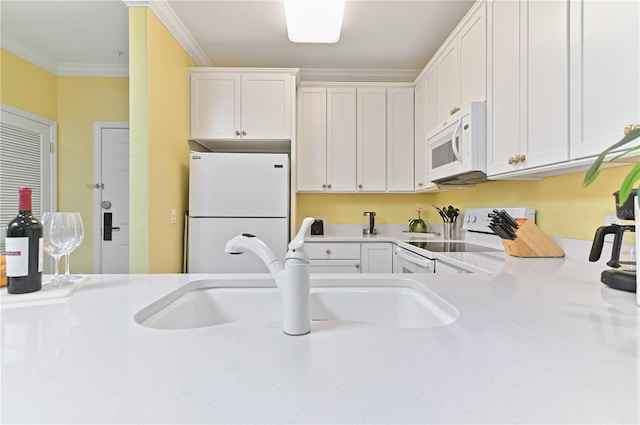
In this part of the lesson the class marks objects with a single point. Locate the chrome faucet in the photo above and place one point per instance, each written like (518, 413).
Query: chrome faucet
(292, 279)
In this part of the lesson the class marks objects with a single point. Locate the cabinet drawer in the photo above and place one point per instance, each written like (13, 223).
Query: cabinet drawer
(334, 266)
(328, 251)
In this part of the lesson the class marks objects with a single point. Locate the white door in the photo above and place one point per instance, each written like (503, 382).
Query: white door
(111, 249)
(215, 105)
(266, 106)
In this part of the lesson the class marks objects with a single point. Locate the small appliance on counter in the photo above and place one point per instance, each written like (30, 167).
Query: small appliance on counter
(622, 275)
(369, 226)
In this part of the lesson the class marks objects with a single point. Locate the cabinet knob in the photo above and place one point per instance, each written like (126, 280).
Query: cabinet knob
(237, 133)
(244, 133)
(628, 128)
(359, 186)
(357, 265)
(523, 158)
(329, 186)
(420, 184)
(327, 251)
(512, 160)
(324, 186)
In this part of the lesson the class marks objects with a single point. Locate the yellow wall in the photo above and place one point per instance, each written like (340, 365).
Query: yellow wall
(81, 102)
(75, 103)
(564, 208)
(159, 99)
(27, 86)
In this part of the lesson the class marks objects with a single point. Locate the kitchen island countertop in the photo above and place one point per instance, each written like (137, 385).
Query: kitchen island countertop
(540, 341)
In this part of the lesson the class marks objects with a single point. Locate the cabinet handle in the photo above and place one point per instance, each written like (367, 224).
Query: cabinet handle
(328, 251)
(237, 133)
(357, 265)
(244, 133)
(420, 184)
(628, 128)
(454, 110)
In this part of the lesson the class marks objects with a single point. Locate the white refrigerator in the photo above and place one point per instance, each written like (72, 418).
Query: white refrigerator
(234, 193)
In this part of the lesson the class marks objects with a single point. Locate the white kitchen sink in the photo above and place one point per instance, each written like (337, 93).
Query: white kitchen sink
(391, 302)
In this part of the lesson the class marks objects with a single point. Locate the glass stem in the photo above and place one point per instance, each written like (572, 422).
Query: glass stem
(66, 264)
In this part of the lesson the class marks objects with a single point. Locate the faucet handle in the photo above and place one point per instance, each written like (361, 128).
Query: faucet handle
(298, 241)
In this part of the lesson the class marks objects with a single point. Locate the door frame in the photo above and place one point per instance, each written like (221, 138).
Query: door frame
(98, 126)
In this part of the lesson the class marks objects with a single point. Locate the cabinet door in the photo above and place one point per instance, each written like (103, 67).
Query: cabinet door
(504, 100)
(215, 105)
(431, 106)
(472, 42)
(547, 79)
(266, 106)
(312, 139)
(371, 139)
(376, 257)
(400, 175)
(448, 86)
(605, 65)
(341, 139)
(420, 134)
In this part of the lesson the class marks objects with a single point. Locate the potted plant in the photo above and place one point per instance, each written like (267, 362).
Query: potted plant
(631, 133)
(417, 225)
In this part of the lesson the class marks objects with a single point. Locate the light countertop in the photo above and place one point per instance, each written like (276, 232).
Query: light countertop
(540, 341)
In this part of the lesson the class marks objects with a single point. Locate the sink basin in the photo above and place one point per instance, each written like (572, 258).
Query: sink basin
(390, 302)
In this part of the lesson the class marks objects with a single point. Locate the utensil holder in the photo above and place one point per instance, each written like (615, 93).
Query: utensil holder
(531, 241)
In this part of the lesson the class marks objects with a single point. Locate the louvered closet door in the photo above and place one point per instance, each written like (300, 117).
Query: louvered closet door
(25, 160)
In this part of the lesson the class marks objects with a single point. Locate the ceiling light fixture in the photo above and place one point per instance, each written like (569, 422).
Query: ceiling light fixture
(314, 21)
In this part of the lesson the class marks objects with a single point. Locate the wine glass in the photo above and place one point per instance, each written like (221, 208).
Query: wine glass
(49, 248)
(79, 232)
(62, 235)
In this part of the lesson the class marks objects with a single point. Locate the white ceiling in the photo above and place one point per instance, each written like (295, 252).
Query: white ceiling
(83, 36)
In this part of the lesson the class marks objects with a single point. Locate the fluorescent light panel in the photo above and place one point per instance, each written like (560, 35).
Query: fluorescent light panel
(314, 21)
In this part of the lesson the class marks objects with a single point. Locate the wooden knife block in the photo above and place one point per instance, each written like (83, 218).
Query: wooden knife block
(531, 242)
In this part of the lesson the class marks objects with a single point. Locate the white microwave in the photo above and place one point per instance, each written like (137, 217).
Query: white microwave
(457, 155)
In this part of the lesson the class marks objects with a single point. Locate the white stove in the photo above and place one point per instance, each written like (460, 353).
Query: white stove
(478, 237)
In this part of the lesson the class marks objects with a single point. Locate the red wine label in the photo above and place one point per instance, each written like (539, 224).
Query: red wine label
(17, 252)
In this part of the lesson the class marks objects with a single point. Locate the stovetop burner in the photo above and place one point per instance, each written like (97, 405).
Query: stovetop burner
(452, 247)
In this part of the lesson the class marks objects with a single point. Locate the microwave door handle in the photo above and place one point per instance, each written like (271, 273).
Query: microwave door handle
(454, 142)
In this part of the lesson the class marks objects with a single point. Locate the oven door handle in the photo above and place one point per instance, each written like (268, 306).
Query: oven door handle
(426, 263)
(454, 142)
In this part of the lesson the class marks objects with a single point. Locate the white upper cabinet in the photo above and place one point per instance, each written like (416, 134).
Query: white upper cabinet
(528, 85)
(459, 69)
(252, 104)
(326, 139)
(312, 139)
(341, 139)
(563, 83)
(420, 133)
(371, 137)
(400, 140)
(605, 70)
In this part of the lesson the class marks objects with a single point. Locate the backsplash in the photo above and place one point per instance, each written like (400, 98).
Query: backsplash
(563, 207)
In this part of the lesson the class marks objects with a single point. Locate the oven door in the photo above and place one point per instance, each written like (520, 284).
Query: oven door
(406, 261)
(444, 157)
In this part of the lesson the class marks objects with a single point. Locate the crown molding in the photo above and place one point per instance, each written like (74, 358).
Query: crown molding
(360, 75)
(28, 54)
(93, 70)
(174, 25)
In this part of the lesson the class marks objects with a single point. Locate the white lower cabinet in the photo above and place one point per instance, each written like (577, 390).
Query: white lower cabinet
(333, 257)
(349, 257)
(376, 257)
(444, 268)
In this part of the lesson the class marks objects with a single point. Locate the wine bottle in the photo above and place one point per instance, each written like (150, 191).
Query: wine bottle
(23, 247)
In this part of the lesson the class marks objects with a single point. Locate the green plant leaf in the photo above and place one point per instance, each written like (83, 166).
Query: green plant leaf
(627, 184)
(593, 172)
